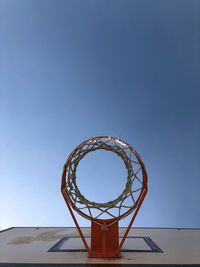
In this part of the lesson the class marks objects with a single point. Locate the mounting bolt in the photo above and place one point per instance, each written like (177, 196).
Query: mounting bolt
(104, 227)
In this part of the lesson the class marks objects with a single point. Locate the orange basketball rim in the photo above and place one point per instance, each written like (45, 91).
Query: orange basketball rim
(104, 217)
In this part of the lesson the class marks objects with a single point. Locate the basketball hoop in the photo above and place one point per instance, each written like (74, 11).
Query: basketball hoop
(104, 231)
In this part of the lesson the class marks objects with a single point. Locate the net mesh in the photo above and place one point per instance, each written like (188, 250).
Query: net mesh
(133, 187)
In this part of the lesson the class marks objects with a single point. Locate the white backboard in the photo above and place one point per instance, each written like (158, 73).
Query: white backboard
(49, 246)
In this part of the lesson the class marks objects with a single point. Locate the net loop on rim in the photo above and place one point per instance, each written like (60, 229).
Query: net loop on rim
(126, 202)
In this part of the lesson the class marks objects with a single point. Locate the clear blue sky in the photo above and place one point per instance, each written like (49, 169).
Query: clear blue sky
(71, 70)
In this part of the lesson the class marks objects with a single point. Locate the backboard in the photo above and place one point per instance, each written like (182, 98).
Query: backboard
(59, 246)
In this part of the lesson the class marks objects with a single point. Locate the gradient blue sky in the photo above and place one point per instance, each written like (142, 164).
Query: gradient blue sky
(71, 70)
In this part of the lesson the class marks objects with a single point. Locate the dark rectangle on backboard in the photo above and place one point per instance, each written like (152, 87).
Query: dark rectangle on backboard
(151, 245)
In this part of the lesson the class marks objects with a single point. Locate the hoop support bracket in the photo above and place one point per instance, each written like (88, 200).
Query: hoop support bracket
(104, 234)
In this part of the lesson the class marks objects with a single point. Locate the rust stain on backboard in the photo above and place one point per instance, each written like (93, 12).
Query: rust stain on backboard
(45, 236)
